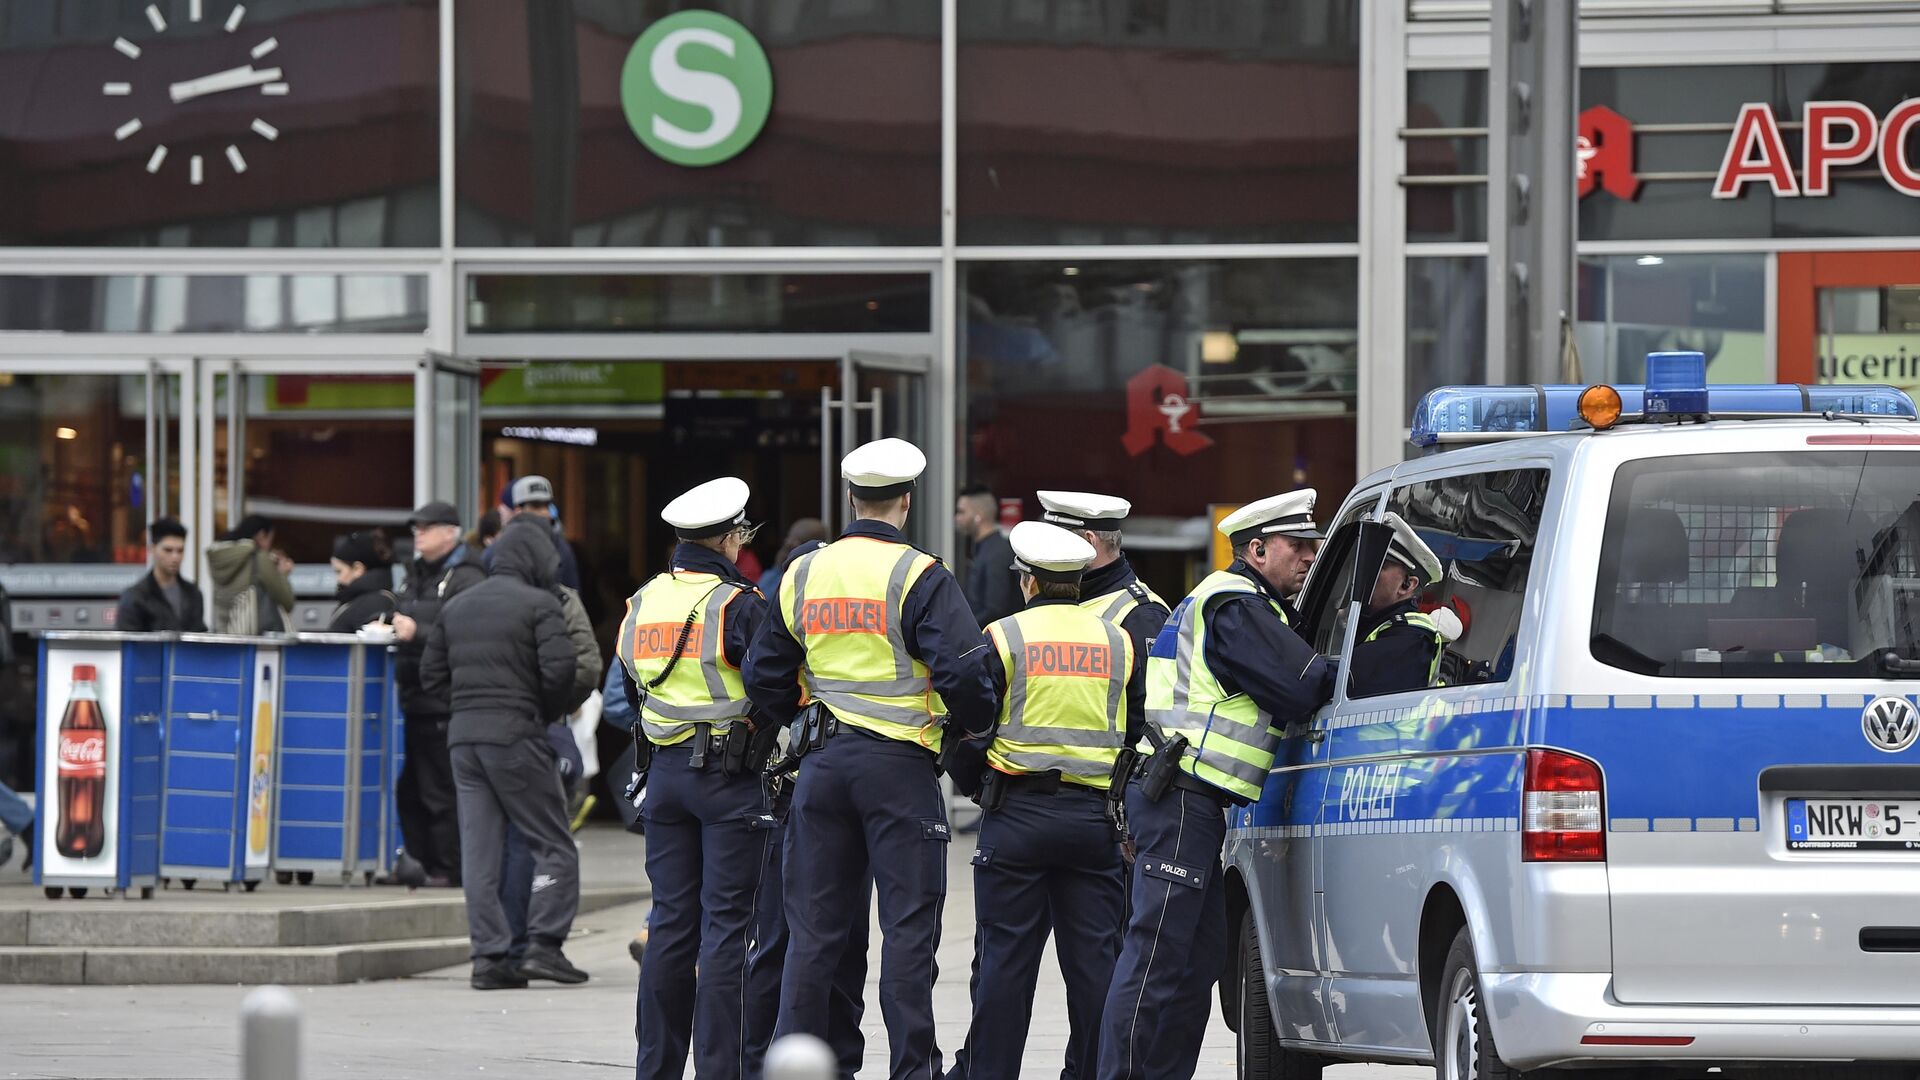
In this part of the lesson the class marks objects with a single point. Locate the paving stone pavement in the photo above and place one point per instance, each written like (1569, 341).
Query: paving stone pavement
(434, 1026)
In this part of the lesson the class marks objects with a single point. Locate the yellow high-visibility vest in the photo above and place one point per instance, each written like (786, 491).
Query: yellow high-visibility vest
(1118, 604)
(1231, 740)
(1066, 701)
(842, 604)
(702, 688)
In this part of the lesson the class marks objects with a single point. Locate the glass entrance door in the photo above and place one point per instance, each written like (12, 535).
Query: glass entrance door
(881, 395)
(447, 444)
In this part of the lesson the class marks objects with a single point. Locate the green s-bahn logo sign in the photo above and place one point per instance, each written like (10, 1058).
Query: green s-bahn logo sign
(696, 88)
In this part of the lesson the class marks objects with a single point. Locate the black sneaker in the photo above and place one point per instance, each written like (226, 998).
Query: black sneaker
(552, 965)
(496, 975)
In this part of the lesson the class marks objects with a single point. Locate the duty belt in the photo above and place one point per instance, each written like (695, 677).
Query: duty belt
(1044, 783)
(704, 749)
(1187, 782)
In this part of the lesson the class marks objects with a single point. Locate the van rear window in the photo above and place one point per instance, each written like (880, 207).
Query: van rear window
(1795, 564)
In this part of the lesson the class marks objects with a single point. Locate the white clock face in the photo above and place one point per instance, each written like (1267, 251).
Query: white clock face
(259, 74)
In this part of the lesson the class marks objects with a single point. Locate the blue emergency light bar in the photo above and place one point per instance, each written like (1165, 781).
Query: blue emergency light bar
(1676, 387)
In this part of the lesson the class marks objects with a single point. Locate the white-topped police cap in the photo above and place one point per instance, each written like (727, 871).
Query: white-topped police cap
(714, 508)
(883, 469)
(1410, 551)
(1084, 510)
(1049, 552)
(1281, 515)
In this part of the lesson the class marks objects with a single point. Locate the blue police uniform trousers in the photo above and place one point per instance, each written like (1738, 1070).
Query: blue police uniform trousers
(706, 840)
(1042, 860)
(864, 805)
(1176, 940)
(766, 961)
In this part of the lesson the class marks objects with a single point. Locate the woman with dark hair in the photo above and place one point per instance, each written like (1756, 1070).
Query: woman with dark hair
(363, 569)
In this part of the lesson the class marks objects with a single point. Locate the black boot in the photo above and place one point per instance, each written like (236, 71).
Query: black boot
(550, 963)
(496, 975)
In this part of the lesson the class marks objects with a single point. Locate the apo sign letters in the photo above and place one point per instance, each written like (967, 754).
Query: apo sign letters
(1833, 135)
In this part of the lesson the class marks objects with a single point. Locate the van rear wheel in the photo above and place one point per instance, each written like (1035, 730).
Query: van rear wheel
(1260, 1054)
(1463, 1047)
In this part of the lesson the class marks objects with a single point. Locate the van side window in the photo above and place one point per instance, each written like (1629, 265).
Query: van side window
(1329, 621)
(1483, 527)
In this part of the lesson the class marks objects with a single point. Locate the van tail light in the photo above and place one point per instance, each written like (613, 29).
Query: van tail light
(1562, 813)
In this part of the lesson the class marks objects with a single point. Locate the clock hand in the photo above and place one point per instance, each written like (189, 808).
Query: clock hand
(221, 81)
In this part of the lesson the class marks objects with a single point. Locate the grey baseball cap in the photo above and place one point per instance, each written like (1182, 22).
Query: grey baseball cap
(531, 489)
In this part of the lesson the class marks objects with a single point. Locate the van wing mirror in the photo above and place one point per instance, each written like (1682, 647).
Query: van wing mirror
(1370, 554)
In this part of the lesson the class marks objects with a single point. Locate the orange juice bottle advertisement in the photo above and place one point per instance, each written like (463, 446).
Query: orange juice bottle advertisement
(260, 774)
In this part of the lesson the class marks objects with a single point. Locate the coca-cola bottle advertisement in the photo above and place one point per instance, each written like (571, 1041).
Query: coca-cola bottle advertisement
(81, 782)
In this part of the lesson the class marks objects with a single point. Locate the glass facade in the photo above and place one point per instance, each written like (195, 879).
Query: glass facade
(1069, 367)
(1155, 123)
(548, 157)
(269, 124)
(215, 303)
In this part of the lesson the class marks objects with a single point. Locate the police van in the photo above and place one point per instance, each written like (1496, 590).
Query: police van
(1663, 809)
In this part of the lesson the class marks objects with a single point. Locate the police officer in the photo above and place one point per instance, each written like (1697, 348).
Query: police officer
(1072, 692)
(682, 642)
(886, 637)
(1109, 588)
(1226, 674)
(1400, 645)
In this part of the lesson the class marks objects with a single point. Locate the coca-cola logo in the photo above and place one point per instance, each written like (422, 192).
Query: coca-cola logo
(84, 755)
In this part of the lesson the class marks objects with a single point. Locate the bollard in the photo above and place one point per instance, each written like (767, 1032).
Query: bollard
(270, 1035)
(799, 1057)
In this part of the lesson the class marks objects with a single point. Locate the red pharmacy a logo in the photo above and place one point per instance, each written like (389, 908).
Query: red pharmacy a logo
(1159, 409)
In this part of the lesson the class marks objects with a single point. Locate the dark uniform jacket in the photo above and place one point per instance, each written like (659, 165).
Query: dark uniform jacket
(1253, 652)
(1400, 659)
(430, 586)
(1143, 623)
(144, 609)
(500, 655)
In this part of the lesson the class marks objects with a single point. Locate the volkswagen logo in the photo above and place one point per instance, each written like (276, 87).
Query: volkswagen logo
(1891, 724)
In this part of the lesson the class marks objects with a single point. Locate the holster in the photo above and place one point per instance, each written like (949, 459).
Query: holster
(642, 761)
(1162, 767)
(1123, 770)
(993, 790)
(950, 739)
(735, 750)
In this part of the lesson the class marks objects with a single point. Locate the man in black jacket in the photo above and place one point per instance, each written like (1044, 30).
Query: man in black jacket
(501, 657)
(163, 600)
(442, 569)
(992, 589)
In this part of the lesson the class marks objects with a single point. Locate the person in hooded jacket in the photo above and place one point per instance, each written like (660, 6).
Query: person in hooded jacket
(443, 568)
(501, 656)
(363, 572)
(251, 593)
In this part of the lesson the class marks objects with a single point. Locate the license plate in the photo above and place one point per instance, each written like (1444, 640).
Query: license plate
(1853, 824)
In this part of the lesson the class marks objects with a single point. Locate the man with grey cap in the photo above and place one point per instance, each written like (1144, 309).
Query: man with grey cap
(1400, 645)
(442, 569)
(534, 495)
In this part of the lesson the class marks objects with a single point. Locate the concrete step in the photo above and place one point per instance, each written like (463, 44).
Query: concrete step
(119, 944)
(301, 966)
(209, 924)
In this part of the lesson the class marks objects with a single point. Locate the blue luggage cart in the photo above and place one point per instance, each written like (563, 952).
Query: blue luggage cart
(330, 803)
(97, 818)
(223, 704)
